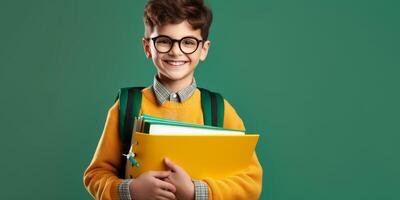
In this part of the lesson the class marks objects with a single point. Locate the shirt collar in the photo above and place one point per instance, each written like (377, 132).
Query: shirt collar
(163, 94)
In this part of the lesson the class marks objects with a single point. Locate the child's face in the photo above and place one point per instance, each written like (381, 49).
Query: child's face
(175, 65)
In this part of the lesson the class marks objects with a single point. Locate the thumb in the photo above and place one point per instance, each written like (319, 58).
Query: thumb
(171, 165)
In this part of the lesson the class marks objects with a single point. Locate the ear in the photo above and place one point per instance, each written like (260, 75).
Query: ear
(204, 50)
(146, 47)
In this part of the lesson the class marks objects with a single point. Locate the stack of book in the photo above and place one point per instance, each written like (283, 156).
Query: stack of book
(158, 126)
(202, 151)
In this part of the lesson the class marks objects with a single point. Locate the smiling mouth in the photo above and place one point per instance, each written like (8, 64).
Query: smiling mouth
(176, 62)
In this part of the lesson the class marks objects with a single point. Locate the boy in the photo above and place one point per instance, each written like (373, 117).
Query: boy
(176, 33)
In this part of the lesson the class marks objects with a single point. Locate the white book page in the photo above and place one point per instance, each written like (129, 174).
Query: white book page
(158, 129)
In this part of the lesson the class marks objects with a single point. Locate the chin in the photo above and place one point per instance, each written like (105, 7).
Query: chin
(177, 77)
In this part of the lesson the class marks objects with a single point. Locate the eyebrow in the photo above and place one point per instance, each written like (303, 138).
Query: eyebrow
(179, 38)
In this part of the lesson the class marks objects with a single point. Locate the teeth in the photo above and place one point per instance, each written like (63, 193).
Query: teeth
(176, 63)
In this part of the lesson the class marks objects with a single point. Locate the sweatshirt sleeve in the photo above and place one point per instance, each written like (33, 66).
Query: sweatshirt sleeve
(244, 185)
(101, 176)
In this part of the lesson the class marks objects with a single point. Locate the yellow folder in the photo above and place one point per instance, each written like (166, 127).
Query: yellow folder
(201, 156)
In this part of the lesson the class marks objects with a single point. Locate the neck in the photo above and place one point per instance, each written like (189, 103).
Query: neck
(175, 85)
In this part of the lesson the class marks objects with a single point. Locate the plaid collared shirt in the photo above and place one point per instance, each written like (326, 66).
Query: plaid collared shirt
(162, 95)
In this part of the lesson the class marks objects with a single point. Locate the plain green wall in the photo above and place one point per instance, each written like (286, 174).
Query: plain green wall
(319, 80)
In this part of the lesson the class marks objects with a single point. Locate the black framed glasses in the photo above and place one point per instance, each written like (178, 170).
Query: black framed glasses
(164, 44)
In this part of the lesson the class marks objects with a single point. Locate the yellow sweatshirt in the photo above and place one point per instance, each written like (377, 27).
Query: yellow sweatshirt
(101, 177)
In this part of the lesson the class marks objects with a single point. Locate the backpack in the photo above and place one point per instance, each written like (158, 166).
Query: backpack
(130, 101)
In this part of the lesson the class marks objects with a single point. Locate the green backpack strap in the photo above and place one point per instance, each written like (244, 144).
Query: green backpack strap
(130, 101)
(212, 105)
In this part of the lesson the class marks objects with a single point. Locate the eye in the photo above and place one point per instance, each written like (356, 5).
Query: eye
(163, 40)
(189, 42)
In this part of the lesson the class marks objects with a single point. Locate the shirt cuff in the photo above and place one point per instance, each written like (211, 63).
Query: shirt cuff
(200, 190)
(123, 189)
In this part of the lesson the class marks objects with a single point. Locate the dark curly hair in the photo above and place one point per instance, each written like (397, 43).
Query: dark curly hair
(162, 12)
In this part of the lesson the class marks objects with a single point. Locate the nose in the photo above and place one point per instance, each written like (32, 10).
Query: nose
(175, 50)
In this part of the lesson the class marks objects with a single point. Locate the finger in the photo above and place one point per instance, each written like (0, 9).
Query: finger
(166, 180)
(166, 194)
(167, 186)
(171, 165)
(161, 198)
(160, 174)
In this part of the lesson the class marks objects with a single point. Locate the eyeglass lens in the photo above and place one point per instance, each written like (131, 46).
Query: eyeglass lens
(187, 45)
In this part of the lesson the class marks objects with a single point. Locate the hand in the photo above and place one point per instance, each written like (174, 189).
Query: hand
(149, 186)
(181, 180)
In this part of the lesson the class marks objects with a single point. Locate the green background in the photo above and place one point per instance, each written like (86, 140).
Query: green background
(319, 80)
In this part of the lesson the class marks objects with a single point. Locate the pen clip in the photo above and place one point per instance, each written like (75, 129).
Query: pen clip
(131, 157)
